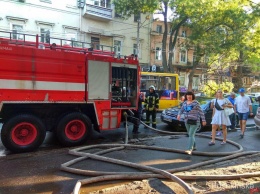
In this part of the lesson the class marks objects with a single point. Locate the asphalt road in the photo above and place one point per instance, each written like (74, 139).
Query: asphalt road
(39, 171)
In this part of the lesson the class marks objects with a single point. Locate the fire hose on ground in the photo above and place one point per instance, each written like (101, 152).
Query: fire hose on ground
(150, 172)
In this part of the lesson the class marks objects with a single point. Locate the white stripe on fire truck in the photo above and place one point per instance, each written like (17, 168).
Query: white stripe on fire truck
(41, 85)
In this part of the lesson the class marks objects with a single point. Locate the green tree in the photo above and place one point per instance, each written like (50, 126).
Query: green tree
(219, 28)
(211, 88)
(127, 8)
(229, 29)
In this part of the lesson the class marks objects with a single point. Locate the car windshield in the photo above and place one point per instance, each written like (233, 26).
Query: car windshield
(203, 102)
(203, 106)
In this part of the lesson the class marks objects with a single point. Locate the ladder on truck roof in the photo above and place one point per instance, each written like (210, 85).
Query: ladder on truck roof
(32, 40)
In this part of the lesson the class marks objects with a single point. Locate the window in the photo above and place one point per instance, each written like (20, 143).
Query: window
(118, 46)
(16, 30)
(135, 50)
(194, 57)
(159, 28)
(45, 35)
(101, 3)
(182, 80)
(97, 2)
(95, 42)
(195, 82)
(158, 53)
(183, 56)
(173, 53)
(137, 17)
(183, 33)
(73, 37)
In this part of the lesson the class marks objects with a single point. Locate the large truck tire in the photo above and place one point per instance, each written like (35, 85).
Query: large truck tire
(23, 133)
(73, 129)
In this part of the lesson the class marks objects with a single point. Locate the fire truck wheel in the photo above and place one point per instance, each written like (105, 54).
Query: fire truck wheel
(23, 133)
(73, 129)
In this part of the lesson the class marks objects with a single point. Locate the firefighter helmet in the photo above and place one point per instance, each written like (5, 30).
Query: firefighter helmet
(152, 87)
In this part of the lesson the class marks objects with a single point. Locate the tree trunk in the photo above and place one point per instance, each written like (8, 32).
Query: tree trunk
(190, 80)
(164, 40)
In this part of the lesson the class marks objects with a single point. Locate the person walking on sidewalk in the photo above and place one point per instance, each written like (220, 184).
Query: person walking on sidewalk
(219, 116)
(232, 117)
(193, 113)
(151, 105)
(243, 107)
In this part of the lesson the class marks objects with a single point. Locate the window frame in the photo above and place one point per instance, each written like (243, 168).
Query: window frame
(158, 53)
(184, 33)
(159, 28)
(16, 36)
(120, 50)
(135, 48)
(96, 44)
(181, 56)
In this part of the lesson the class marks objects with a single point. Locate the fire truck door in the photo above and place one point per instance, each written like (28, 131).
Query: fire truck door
(98, 86)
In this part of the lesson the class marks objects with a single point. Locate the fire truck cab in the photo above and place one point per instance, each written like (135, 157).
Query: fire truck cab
(61, 88)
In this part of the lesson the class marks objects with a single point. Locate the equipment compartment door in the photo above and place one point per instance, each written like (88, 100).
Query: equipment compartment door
(98, 80)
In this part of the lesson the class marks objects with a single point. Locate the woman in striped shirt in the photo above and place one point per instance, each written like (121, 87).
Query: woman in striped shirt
(193, 114)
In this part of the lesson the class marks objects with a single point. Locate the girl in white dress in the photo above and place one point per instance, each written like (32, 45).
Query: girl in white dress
(219, 116)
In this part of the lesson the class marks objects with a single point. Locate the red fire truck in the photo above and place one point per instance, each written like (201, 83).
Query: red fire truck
(61, 88)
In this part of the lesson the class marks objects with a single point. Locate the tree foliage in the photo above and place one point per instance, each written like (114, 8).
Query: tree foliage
(211, 88)
(126, 8)
(227, 33)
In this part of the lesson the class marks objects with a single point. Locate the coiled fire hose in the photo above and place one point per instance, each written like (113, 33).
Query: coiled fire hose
(156, 173)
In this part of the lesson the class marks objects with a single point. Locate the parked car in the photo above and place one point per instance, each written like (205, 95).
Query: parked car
(255, 104)
(257, 118)
(254, 94)
(169, 115)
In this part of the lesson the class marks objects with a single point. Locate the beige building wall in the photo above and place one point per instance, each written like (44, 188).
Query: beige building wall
(65, 19)
(182, 57)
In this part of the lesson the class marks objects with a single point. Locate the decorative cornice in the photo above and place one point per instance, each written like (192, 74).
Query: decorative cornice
(16, 18)
(70, 27)
(44, 23)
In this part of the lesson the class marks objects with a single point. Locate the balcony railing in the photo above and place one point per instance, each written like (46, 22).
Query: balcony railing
(98, 12)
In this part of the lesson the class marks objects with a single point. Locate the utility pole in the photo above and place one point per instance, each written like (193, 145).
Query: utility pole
(138, 38)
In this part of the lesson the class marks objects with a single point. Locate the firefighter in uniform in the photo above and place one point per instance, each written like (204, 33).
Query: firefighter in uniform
(151, 104)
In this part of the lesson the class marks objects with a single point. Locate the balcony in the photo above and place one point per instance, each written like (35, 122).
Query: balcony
(97, 12)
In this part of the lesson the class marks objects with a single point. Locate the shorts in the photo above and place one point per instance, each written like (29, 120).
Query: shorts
(243, 116)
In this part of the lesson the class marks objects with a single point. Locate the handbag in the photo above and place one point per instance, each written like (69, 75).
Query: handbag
(217, 105)
(229, 111)
(192, 122)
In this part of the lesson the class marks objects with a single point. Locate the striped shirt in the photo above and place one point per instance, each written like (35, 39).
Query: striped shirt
(192, 111)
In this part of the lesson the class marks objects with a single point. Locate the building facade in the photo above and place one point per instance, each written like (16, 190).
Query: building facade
(182, 58)
(91, 21)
